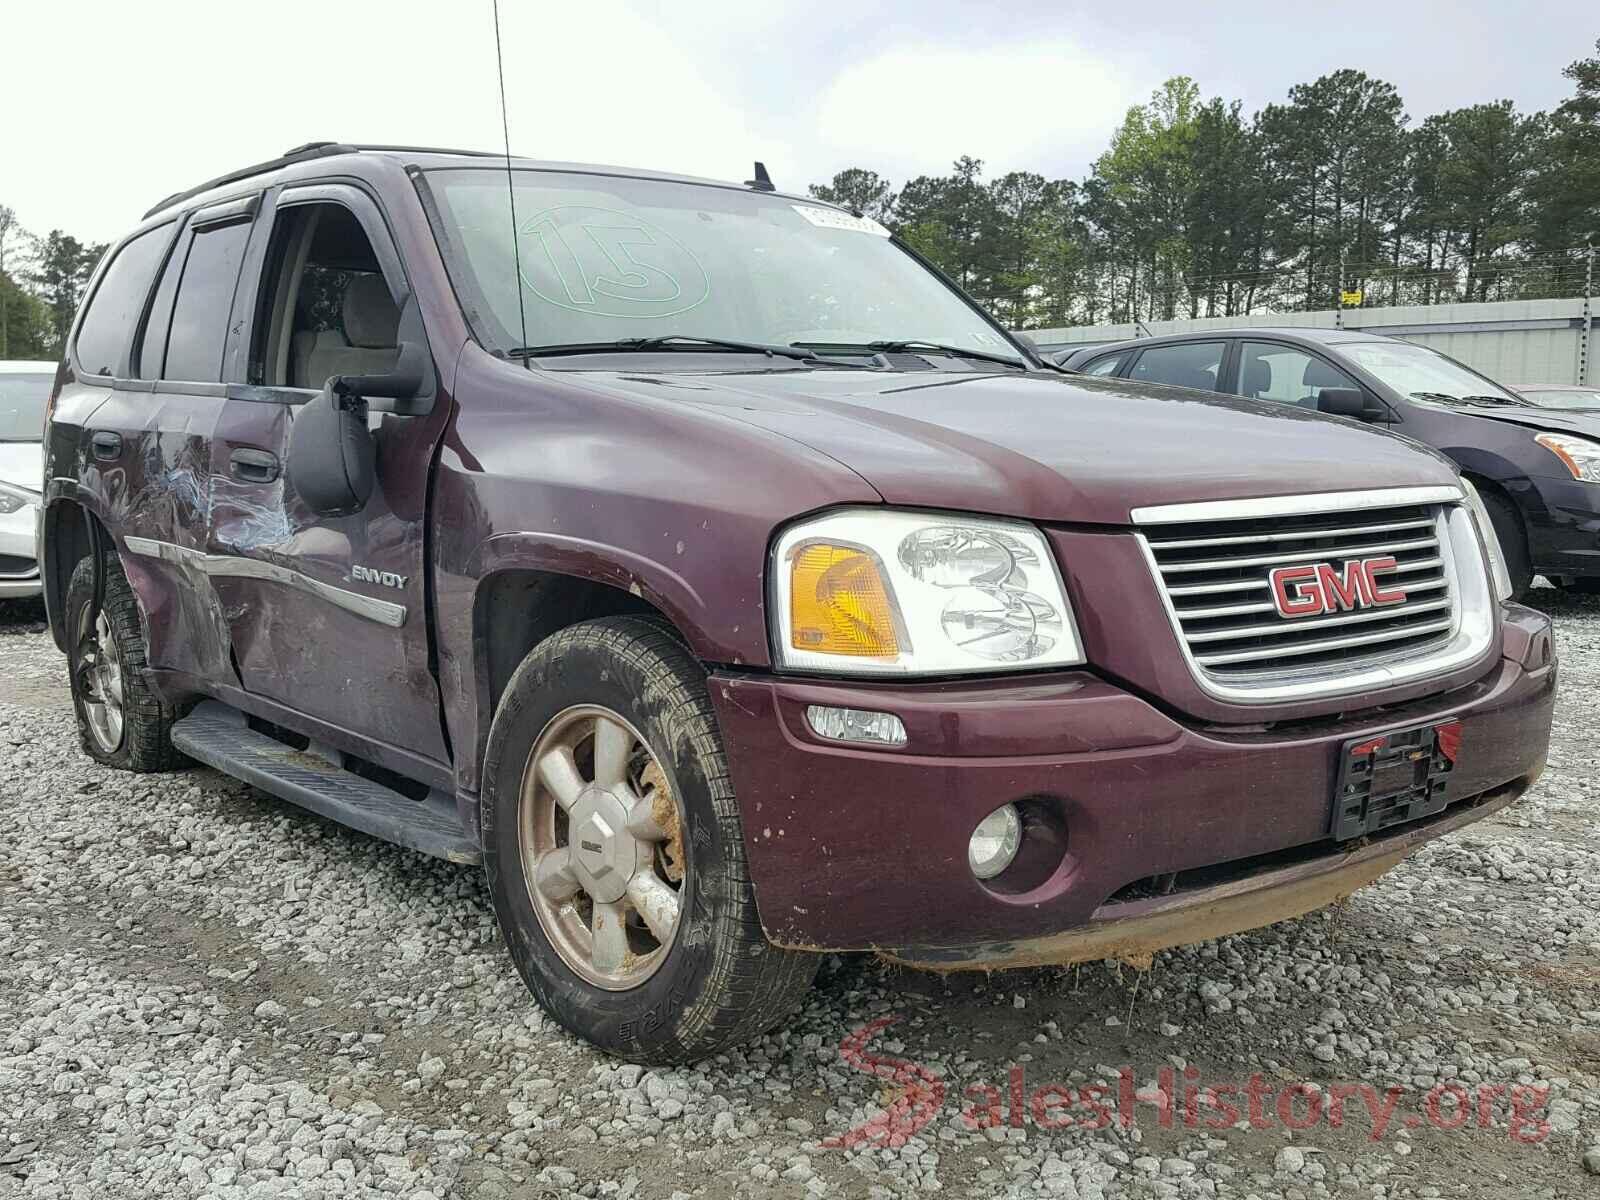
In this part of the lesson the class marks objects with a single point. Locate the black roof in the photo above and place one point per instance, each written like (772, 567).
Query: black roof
(432, 157)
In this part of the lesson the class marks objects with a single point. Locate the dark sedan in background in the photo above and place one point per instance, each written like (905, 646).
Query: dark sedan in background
(1537, 467)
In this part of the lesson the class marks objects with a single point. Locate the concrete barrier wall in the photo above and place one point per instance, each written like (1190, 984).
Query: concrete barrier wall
(1513, 341)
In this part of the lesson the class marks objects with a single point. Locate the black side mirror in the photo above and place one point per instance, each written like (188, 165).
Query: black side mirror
(401, 387)
(332, 457)
(1350, 402)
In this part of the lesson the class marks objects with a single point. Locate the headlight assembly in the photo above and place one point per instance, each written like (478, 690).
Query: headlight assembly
(1578, 455)
(14, 499)
(890, 592)
(1491, 541)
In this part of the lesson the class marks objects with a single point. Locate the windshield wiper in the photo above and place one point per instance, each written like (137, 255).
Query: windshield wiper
(1476, 399)
(913, 346)
(666, 341)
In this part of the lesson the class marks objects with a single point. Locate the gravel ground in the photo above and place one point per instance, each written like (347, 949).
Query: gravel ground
(204, 991)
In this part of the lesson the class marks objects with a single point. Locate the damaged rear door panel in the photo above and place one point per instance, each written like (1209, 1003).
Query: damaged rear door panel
(147, 448)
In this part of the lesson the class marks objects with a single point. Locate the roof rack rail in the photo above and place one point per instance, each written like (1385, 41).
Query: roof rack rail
(298, 154)
(432, 150)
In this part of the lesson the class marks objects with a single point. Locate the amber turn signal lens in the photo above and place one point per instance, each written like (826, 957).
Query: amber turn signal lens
(839, 603)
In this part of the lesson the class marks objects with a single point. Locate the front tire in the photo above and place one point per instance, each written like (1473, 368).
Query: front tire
(121, 721)
(615, 852)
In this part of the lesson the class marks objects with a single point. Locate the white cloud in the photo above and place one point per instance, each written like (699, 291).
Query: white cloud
(147, 99)
(601, 83)
(1031, 105)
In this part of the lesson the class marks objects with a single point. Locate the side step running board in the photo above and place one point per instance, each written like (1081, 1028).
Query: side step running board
(217, 735)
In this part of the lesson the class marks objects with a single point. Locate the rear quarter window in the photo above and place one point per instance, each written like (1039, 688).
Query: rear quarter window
(1102, 366)
(106, 331)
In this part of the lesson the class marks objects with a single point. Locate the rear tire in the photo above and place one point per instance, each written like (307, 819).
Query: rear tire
(121, 721)
(562, 831)
(1513, 537)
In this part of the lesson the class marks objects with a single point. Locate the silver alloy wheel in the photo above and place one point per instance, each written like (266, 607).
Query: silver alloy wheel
(601, 836)
(100, 681)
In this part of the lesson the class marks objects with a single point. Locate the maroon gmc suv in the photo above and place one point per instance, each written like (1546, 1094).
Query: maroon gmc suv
(713, 571)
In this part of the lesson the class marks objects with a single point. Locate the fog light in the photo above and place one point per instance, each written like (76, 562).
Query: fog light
(995, 842)
(856, 725)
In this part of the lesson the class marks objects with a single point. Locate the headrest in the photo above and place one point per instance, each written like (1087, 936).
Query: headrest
(1257, 377)
(370, 318)
(1320, 375)
(1194, 377)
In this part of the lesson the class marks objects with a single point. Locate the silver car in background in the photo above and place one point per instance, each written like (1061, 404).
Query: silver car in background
(24, 390)
(1559, 395)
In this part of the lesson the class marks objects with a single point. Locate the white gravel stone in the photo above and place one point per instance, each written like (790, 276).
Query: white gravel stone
(207, 992)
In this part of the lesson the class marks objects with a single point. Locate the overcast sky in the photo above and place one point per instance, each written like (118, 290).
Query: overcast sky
(112, 105)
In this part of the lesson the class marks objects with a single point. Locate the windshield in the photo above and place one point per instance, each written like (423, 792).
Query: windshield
(1409, 369)
(22, 401)
(609, 259)
(1562, 397)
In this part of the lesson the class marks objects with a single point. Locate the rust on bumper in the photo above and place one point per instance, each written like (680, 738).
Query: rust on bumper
(1133, 930)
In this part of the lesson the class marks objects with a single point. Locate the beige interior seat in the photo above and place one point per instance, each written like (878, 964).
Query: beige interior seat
(368, 344)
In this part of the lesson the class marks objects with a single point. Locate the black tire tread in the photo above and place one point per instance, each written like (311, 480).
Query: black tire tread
(147, 719)
(753, 985)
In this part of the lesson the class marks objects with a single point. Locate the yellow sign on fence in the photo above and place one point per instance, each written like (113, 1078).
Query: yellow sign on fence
(1350, 299)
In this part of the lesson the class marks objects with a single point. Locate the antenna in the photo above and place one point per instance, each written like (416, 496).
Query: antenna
(762, 182)
(511, 192)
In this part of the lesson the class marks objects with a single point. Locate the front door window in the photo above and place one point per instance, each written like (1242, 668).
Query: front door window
(1286, 374)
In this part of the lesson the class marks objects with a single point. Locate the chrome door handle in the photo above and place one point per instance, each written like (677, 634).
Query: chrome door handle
(106, 444)
(252, 465)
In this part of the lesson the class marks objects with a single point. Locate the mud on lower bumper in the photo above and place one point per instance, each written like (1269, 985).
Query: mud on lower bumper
(855, 849)
(1132, 930)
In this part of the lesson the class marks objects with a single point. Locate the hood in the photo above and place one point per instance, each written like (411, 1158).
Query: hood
(1048, 447)
(22, 463)
(1580, 422)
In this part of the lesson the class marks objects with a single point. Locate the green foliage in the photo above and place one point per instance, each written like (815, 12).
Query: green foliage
(865, 192)
(25, 326)
(1196, 210)
(42, 280)
(1564, 191)
(1193, 210)
(61, 269)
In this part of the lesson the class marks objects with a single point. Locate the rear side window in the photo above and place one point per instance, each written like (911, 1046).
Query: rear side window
(1187, 364)
(205, 299)
(106, 331)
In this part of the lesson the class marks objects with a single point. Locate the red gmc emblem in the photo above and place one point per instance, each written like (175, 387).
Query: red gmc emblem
(1312, 591)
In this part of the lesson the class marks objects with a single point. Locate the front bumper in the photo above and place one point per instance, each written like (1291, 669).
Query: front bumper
(853, 848)
(19, 554)
(1564, 526)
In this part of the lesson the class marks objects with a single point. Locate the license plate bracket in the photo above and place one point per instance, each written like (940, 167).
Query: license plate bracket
(1393, 779)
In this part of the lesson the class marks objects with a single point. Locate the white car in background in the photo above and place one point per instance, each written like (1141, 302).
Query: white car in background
(24, 389)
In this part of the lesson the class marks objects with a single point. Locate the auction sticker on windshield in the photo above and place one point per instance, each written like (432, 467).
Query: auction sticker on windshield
(832, 218)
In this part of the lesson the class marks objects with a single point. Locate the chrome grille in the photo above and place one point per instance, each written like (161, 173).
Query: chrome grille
(1215, 574)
